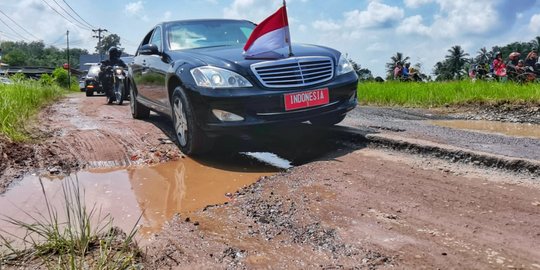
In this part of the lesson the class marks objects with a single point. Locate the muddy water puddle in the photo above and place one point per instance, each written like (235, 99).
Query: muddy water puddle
(511, 129)
(156, 192)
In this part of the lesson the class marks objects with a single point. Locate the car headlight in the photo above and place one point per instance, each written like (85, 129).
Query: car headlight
(214, 77)
(344, 66)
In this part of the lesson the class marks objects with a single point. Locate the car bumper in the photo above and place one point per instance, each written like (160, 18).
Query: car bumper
(258, 106)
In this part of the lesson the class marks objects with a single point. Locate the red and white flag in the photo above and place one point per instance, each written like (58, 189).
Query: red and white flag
(271, 34)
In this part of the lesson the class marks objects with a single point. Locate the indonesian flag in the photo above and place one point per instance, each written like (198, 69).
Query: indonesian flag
(271, 34)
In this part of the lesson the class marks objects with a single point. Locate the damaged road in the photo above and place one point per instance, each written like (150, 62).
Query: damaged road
(349, 201)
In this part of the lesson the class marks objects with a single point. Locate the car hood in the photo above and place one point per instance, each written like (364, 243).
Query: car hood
(231, 56)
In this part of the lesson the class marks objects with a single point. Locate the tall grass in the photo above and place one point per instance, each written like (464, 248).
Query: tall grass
(22, 100)
(437, 94)
(81, 239)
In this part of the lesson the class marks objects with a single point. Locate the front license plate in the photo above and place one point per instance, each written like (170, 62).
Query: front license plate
(306, 99)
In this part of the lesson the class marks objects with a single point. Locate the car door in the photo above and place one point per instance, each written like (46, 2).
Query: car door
(153, 72)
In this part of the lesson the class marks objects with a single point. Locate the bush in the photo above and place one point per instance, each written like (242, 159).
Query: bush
(61, 77)
(46, 80)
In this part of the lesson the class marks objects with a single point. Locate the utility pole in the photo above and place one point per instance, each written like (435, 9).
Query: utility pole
(68, 64)
(98, 36)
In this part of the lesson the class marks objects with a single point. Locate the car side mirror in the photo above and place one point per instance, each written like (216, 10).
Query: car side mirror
(149, 49)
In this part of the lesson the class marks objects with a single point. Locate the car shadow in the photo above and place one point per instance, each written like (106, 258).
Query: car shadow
(299, 143)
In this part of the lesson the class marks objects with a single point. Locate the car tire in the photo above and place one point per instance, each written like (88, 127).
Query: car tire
(119, 88)
(89, 93)
(328, 120)
(138, 111)
(189, 137)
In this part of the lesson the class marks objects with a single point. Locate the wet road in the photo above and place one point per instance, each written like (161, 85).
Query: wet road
(506, 139)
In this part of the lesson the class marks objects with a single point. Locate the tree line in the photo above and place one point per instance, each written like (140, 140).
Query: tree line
(457, 62)
(36, 53)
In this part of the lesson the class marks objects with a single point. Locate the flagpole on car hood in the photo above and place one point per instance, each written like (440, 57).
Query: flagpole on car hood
(288, 37)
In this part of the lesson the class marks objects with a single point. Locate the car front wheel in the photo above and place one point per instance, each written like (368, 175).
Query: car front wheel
(190, 138)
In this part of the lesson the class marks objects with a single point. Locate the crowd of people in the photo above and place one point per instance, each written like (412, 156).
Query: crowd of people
(405, 72)
(515, 68)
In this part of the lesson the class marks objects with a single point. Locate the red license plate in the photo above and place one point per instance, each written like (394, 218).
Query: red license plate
(299, 100)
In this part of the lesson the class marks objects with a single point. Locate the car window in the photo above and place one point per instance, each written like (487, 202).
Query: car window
(93, 71)
(156, 38)
(186, 35)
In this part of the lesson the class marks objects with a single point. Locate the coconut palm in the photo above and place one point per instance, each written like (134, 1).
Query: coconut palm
(455, 62)
(393, 62)
(483, 56)
(535, 43)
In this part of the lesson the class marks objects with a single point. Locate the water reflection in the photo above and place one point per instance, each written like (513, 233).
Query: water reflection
(512, 129)
(157, 192)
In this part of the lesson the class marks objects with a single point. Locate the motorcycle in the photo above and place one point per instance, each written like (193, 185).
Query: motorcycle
(116, 90)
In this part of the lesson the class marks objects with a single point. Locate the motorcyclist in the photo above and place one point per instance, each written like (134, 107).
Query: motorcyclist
(105, 74)
(499, 68)
(513, 65)
(531, 61)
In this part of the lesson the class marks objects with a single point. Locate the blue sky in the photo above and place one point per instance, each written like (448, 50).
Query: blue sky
(369, 31)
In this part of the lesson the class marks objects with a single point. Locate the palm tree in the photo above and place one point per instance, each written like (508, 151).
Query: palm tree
(456, 61)
(393, 62)
(535, 43)
(483, 56)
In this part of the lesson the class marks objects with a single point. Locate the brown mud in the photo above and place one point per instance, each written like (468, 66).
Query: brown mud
(353, 207)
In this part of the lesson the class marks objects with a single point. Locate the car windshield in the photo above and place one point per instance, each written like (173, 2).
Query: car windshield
(199, 34)
(93, 71)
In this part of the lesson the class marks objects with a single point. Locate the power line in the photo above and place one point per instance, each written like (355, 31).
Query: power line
(13, 30)
(87, 23)
(99, 30)
(47, 3)
(69, 14)
(19, 25)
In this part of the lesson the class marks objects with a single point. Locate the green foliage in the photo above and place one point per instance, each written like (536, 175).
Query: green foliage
(108, 42)
(84, 240)
(363, 73)
(35, 53)
(20, 101)
(18, 77)
(438, 94)
(47, 80)
(61, 77)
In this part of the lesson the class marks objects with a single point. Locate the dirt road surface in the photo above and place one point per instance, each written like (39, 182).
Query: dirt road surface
(353, 206)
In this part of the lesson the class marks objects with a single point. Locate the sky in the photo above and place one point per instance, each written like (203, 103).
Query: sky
(368, 31)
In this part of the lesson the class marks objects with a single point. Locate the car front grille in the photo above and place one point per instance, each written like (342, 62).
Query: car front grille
(294, 72)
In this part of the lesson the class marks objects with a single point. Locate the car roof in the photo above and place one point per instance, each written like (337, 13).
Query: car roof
(202, 20)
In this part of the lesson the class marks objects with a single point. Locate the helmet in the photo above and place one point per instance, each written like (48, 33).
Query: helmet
(114, 53)
(497, 54)
(514, 55)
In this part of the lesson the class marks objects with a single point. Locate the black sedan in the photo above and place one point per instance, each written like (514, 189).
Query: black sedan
(194, 71)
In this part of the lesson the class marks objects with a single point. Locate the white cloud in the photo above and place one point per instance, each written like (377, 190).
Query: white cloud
(465, 17)
(326, 25)
(53, 32)
(253, 10)
(167, 16)
(377, 15)
(413, 25)
(416, 3)
(534, 24)
(136, 9)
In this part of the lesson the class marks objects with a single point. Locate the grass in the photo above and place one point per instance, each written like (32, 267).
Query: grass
(20, 101)
(82, 240)
(438, 94)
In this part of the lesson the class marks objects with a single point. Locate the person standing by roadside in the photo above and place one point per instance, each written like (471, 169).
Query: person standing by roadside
(531, 61)
(398, 71)
(499, 68)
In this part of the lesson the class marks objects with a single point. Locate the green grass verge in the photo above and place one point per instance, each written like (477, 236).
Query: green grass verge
(81, 239)
(438, 94)
(22, 100)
